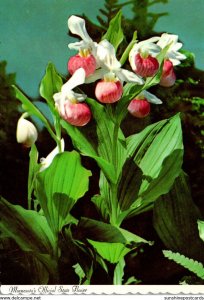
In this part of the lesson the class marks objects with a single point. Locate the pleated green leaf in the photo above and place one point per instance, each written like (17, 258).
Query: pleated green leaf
(103, 232)
(113, 252)
(175, 220)
(158, 151)
(81, 143)
(114, 33)
(129, 184)
(50, 84)
(29, 229)
(60, 186)
(105, 131)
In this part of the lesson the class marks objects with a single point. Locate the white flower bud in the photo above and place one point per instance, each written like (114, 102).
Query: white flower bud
(26, 133)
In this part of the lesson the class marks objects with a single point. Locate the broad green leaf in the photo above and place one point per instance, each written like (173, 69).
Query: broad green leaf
(78, 252)
(86, 148)
(103, 232)
(29, 229)
(106, 130)
(101, 206)
(175, 220)
(129, 184)
(111, 147)
(119, 272)
(50, 84)
(158, 151)
(114, 33)
(60, 186)
(201, 229)
(37, 270)
(113, 252)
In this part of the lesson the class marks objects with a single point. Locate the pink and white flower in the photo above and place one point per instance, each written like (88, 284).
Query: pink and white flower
(69, 103)
(172, 58)
(110, 88)
(142, 57)
(168, 76)
(86, 58)
(140, 106)
(172, 53)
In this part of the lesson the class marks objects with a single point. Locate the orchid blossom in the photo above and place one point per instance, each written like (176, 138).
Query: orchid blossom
(110, 88)
(26, 132)
(172, 53)
(140, 106)
(68, 102)
(87, 48)
(142, 57)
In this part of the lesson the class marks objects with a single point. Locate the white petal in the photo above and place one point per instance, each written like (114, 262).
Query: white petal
(77, 45)
(46, 162)
(151, 98)
(26, 132)
(128, 76)
(166, 39)
(77, 78)
(98, 74)
(77, 26)
(80, 97)
(106, 55)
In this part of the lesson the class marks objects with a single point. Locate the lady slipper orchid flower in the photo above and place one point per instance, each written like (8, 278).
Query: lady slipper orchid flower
(140, 106)
(46, 162)
(172, 53)
(110, 88)
(142, 57)
(86, 58)
(26, 132)
(168, 76)
(172, 58)
(69, 103)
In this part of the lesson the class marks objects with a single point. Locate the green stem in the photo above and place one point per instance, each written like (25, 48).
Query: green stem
(129, 47)
(58, 133)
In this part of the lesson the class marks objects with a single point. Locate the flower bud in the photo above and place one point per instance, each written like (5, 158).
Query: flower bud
(26, 133)
(88, 63)
(146, 66)
(168, 76)
(77, 114)
(108, 91)
(139, 108)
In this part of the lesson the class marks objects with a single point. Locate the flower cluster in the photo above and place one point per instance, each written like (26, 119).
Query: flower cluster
(97, 62)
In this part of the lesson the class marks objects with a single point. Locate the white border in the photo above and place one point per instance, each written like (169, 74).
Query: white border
(26, 290)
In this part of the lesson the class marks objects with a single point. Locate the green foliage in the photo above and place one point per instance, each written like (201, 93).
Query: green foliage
(33, 169)
(175, 220)
(158, 151)
(112, 252)
(119, 272)
(60, 186)
(188, 263)
(114, 33)
(50, 84)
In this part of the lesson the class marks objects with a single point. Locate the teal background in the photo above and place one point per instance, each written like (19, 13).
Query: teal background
(34, 32)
